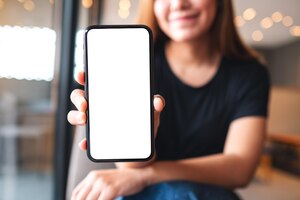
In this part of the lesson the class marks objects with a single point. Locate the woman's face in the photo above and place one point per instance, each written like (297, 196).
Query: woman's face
(185, 20)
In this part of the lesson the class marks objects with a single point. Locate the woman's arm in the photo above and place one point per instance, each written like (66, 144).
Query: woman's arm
(233, 168)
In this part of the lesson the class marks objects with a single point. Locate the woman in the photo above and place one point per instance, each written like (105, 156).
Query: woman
(210, 114)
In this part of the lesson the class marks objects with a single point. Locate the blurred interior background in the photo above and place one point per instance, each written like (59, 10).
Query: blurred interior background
(34, 79)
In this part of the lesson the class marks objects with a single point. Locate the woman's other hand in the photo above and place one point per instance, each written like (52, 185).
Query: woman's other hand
(109, 184)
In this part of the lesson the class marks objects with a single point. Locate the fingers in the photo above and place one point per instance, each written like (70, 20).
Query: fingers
(107, 194)
(78, 99)
(159, 103)
(76, 117)
(79, 77)
(94, 194)
(77, 189)
(83, 144)
(83, 191)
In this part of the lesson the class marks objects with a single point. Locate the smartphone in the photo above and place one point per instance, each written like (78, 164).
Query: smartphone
(119, 92)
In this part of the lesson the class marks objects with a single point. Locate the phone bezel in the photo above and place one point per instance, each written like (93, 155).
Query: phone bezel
(86, 87)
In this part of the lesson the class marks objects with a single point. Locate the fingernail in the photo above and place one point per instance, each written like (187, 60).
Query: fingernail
(156, 100)
(79, 116)
(79, 102)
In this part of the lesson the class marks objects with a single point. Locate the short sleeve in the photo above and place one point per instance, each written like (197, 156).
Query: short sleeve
(252, 92)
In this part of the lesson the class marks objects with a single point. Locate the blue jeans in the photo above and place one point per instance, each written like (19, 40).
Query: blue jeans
(183, 190)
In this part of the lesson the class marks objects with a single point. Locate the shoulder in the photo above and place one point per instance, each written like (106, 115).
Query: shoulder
(243, 71)
(244, 66)
(249, 86)
(248, 81)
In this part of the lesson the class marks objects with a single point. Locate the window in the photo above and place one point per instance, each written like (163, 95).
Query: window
(27, 53)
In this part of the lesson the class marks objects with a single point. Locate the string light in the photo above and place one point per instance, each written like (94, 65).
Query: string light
(266, 23)
(287, 21)
(295, 31)
(29, 5)
(124, 4)
(239, 21)
(123, 13)
(124, 9)
(277, 16)
(87, 3)
(249, 14)
(257, 36)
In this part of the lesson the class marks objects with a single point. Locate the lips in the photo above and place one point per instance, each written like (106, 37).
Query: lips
(183, 17)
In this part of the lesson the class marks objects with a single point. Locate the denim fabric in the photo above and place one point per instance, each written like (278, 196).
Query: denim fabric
(182, 190)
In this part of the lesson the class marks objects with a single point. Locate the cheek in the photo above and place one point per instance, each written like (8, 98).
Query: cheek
(209, 9)
(160, 12)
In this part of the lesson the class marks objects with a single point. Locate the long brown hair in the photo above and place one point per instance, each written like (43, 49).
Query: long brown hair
(225, 38)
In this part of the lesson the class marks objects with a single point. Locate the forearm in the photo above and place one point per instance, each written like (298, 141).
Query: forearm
(225, 170)
(233, 168)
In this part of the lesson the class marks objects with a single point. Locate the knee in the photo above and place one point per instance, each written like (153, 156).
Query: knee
(183, 190)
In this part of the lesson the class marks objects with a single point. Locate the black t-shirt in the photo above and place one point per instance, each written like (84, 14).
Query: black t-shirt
(195, 121)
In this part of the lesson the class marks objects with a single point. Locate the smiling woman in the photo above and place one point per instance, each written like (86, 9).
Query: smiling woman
(210, 109)
(176, 80)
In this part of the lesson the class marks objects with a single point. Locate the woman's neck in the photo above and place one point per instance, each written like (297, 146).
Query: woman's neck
(192, 62)
(195, 53)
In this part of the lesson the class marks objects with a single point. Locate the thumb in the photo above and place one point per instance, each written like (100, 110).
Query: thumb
(159, 103)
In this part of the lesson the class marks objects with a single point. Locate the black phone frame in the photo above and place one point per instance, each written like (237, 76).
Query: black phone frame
(86, 89)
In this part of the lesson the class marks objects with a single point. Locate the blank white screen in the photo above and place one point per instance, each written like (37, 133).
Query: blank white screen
(119, 93)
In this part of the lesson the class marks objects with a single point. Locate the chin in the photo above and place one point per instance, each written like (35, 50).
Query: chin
(185, 37)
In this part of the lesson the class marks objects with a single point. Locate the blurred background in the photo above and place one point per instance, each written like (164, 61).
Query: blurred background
(41, 47)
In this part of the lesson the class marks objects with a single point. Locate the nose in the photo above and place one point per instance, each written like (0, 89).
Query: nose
(179, 4)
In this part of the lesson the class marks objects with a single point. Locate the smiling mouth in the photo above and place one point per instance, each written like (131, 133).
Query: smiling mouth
(183, 18)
